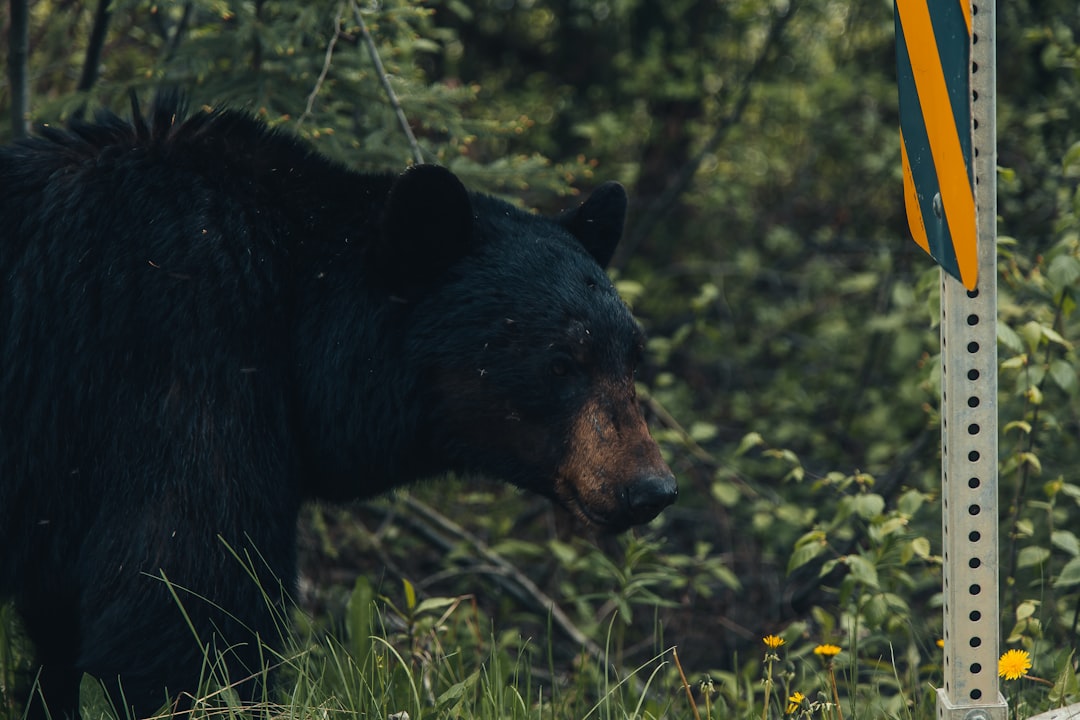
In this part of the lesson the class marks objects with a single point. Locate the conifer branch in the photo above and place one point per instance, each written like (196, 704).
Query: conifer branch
(325, 68)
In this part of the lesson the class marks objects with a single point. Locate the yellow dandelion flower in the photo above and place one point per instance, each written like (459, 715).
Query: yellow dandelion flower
(1014, 664)
(772, 641)
(827, 650)
(940, 643)
(795, 701)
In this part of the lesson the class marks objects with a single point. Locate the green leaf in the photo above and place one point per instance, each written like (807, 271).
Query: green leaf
(1009, 339)
(1032, 557)
(512, 547)
(726, 493)
(1053, 336)
(750, 440)
(892, 525)
(910, 502)
(1026, 609)
(1070, 574)
(410, 596)
(796, 474)
(425, 45)
(1064, 375)
(786, 455)
(1052, 487)
(629, 290)
(867, 505)
(804, 554)
(1066, 685)
(91, 693)
(1032, 333)
(702, 431)
(455, 692)
(1015, 362)
(876, 610)
(563, 552)
(358, 619)
(1071, 162)
(1065, 540)
(1068, 303)
(862, 570)
(726, 576)
(707, 295)
(824, 620)
(921, 547)
(433, 604)
(461, 9)
(1022, 425)
(1064, 271)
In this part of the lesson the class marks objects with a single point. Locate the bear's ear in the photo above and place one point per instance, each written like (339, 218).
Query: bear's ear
(427, 226)
(598, 222)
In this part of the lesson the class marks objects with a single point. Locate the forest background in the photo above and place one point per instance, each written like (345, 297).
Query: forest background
(792, 373)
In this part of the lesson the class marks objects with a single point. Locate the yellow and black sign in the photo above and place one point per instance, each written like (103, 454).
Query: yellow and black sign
(933, 62)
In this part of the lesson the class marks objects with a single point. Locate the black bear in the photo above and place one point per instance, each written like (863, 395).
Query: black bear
(203, 323)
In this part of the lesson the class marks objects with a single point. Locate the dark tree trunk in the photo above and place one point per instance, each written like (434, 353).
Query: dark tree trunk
(18, 49)
(95, 46)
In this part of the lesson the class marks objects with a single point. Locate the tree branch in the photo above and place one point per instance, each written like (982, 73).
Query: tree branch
(418, 155)
(178, 32)
(506, 574)
(325, 68)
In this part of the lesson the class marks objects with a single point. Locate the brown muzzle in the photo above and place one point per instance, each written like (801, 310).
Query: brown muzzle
(613, 475)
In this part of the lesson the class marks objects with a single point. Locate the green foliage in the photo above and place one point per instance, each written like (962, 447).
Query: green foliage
(301, 65)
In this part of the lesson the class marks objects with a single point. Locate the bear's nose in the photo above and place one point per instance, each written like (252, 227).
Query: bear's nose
(650, 494)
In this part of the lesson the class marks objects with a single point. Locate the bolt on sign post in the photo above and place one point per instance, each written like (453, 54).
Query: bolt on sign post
(945, 55)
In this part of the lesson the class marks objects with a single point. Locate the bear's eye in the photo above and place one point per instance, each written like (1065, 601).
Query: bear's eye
(565, 363)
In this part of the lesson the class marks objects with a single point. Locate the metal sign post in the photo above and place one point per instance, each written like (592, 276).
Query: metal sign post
(945, 67)
(969, 427)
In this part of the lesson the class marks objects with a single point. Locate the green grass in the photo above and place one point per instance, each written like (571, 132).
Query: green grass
(436, 658)
(428, 659)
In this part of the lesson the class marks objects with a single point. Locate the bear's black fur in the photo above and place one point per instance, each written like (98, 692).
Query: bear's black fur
(203, 323)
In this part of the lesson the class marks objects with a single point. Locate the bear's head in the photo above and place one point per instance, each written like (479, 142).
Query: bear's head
(529, 347)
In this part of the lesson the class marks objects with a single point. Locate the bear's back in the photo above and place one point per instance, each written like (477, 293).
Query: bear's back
(147, 270)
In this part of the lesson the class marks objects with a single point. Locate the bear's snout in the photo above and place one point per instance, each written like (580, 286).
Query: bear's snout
(646, 496)
(614, 476)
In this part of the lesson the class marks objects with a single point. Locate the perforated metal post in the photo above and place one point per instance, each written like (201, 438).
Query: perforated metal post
(969, 429)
